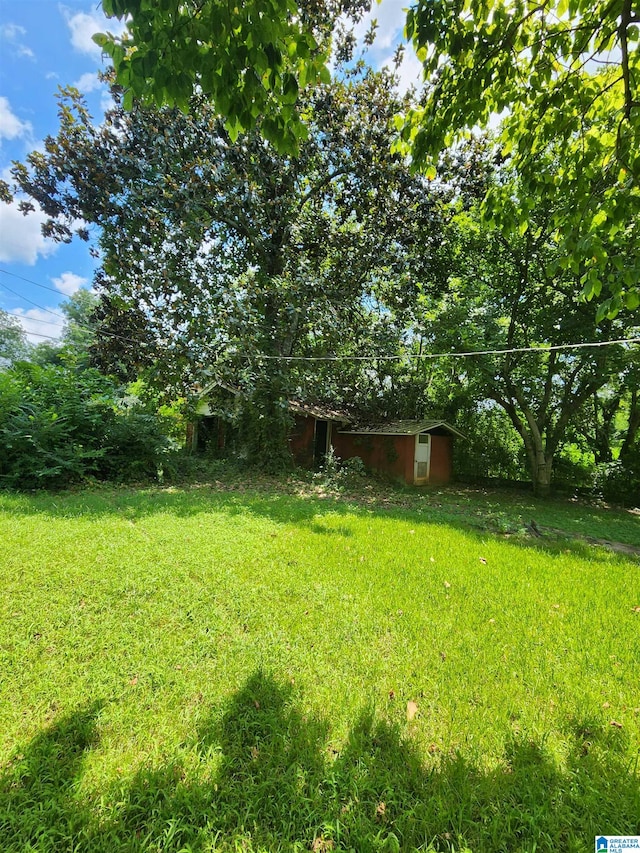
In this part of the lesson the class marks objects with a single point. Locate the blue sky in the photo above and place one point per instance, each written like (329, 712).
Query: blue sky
(43, 45)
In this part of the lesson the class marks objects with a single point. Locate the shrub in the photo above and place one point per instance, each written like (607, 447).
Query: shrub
(619, 482)
(60, 425)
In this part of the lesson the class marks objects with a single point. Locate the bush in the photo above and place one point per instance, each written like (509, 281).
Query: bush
(338, 474)
(51, 424)
(134, 447)
(618, 482)
(60, 425)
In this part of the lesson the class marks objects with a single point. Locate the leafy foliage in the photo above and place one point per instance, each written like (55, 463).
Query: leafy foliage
(60, 425)
(13, 341)
(220, 258)
(564, 76)
(507, 292)
(251, 60)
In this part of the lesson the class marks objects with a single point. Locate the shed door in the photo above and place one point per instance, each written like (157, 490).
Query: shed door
(422, 458)
(321, 441)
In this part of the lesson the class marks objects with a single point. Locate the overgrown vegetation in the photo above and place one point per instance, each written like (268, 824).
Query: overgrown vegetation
(60, 424)
(208, 670)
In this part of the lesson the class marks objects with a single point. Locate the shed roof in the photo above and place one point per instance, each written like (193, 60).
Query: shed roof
(320, 412)
(412, 427)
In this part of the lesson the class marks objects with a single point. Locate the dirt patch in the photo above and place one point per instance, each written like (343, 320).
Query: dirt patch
(618, 547)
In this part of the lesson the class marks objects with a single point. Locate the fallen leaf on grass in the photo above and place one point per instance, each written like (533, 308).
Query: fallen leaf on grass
(392, 694)
(447, 585)
(381, 810)
(606, 704)
(412, 710)
(636, 609)
(133, 681)
(615, 724)
(443, 656)
(432, 748)
(322, 844)
(482, 560)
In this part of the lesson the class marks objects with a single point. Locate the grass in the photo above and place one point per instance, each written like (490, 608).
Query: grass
(252, 670)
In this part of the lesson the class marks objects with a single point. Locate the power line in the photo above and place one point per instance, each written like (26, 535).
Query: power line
(31, 319)
(329, 358)
(430, 355)
(60, 316)
(38, 335)
(31, 281)
(35, 304)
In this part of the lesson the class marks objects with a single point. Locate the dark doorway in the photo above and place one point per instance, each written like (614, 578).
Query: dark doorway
(320, 441)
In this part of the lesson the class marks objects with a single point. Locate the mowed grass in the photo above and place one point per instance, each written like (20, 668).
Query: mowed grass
(197, 670)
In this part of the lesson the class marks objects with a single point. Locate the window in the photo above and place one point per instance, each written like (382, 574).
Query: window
(423, 438)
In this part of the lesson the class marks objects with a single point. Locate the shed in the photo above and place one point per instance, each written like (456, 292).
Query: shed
(416, 451)
(313, 432)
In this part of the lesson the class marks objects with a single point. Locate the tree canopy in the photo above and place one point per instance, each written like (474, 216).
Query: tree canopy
(220, 258)
(564, 75)
(250, 60)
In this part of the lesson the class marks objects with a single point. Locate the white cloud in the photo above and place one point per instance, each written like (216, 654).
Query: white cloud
(390, 15)
(21, 239)
(68, 283)
(106, 101)
(39, 324)
(89, 82)
(84, 26)
(11, 127)
(12, 33)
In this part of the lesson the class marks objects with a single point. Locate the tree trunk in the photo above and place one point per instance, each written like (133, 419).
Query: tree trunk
(542, 475)
(633, 428)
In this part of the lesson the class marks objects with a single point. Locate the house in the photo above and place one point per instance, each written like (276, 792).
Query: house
(416, 451)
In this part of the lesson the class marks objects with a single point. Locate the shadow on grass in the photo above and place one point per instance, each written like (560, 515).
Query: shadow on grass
(274, 785)
(276, 506)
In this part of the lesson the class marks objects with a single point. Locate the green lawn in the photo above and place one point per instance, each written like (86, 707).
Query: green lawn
(199, 670)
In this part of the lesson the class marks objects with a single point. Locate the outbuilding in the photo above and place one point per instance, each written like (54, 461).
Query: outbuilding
(313, 432)
(416, 451)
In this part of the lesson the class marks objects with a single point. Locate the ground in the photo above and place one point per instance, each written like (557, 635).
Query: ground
(295, 665)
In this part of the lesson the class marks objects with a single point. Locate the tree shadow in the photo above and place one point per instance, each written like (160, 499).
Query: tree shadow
(39, 806)
(267, 779)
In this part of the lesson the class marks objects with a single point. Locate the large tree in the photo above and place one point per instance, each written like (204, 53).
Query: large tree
(506, 295)
(250, 60)
(565, 76)
(232, 256)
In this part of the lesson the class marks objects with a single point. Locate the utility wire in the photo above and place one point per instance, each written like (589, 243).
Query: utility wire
(469, 354)
(31, 281)
(35, 304)
(30, 319)
(328, 358)
(60, 316)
